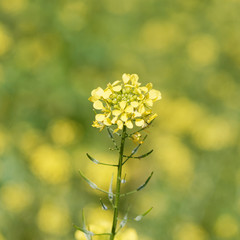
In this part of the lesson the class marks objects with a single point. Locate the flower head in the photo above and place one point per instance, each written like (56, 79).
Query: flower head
(124, 102)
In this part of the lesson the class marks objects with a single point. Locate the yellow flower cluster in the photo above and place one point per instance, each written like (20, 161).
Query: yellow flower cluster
(124, 102)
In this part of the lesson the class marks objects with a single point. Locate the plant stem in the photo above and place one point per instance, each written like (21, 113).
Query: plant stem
(118, 185)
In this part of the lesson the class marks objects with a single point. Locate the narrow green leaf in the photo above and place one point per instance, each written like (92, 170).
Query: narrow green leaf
(139, 217)
(88, 233)
(104, 207)
(92, 159)
(135, 149)
(145, 155)
(97, 162)
(146, 182)
(91, 184)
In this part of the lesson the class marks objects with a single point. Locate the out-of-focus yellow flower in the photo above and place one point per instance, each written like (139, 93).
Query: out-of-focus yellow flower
(51, 165)
(190, 231)
(53, 219)
(13, 6)
(175, 160)
(127, 234)
(160, 36)
(30, 140)
(72, 15)
(2, 237)
(5, 40)
(214, 133)
(203, 50)
(15, 197)
(124, 102)
(101, 222)
(80, 235)
(226, 226)
(63, 132)
(97, 217)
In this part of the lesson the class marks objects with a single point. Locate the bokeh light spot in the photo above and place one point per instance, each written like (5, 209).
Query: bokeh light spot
(190, 231)
(226, 226)
(53, 219)
(203, 50)
(5, 40)
(50, 164)
(15, 196)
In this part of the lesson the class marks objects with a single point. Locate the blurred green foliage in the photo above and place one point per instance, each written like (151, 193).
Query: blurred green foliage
(53, 53)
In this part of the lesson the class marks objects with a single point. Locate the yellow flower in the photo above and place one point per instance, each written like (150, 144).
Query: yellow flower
(123, 103)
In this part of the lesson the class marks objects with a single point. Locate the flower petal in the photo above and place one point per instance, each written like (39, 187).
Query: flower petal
(149, 86)
(120, 124)
(129, 124)
(114, 120)
(134, 79)
(98, 92)
(98, 105)
(141, 109)
(117, 88)
(154, 95)
(123, 104)
(137, 114)
(126, 78)
(139, 122)
(144, 89)
(92, 99)
(129, 109)
(107, 122)
(116, 112)
(124, 117)
(134, 104)
(116, 82)
(100, 117)
(107, 93)
(149, 102)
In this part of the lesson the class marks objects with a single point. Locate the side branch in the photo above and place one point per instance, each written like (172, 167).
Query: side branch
(139, 188)
(93, 185)
(100, 163)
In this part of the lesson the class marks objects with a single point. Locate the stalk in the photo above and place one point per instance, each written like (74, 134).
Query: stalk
(118, 185)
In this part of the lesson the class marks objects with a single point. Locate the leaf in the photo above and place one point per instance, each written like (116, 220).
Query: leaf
(87, 233)
(92, 159)
(110, 192)
(135, 149)
(139, 217)
(146, 182)
(104, 207)
(97, 162)
(92, 184)
(145, 155)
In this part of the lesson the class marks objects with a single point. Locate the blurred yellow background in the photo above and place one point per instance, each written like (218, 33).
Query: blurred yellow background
(53, 53)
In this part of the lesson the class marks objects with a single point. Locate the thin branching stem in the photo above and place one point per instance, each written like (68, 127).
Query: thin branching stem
(118, 185)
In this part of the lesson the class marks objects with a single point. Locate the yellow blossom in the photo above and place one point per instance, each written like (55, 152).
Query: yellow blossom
(123, 103)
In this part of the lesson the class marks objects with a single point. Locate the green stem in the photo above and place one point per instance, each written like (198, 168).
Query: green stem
(118, 185)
